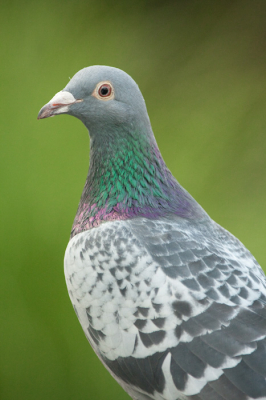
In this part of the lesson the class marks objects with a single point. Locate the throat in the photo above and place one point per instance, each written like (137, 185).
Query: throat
(128, 181)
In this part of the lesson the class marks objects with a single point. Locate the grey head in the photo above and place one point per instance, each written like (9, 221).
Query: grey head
(101, 97)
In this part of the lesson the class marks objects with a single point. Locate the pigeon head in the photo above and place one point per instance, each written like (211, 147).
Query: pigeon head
(127, 175)
(103, 98)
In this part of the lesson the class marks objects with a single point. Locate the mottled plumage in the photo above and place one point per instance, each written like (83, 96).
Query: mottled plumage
(172, 303)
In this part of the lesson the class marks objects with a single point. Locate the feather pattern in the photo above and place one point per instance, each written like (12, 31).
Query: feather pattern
(174, 309)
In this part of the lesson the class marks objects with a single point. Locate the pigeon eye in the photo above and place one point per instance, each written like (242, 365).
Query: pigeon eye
(105, 90)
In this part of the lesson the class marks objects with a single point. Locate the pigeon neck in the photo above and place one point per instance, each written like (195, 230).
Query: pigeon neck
(128, 178)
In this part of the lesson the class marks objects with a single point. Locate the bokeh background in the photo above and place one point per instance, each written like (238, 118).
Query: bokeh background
(201, 66)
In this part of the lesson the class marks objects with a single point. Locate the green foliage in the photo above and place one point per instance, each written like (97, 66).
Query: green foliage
(201, 67)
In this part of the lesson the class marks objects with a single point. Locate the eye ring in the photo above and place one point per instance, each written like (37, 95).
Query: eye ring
(104, 91)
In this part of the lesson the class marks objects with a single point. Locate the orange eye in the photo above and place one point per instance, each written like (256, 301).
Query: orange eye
(105, 90)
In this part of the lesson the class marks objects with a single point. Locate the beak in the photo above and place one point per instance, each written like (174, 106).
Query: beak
(59, 104)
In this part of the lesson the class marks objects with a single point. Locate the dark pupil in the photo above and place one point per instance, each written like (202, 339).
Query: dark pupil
(104, 90)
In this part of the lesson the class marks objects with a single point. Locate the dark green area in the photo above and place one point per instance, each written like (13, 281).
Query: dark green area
(201, 66)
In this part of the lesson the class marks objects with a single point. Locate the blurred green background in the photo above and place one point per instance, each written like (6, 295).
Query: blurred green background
(201, 66)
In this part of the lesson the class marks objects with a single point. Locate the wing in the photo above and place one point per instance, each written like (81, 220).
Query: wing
(174, 310)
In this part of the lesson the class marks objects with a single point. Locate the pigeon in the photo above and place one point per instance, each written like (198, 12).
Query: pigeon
(172, 303)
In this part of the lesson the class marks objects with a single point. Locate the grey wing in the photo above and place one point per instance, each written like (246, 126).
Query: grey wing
(225, 332)
(189, 312)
